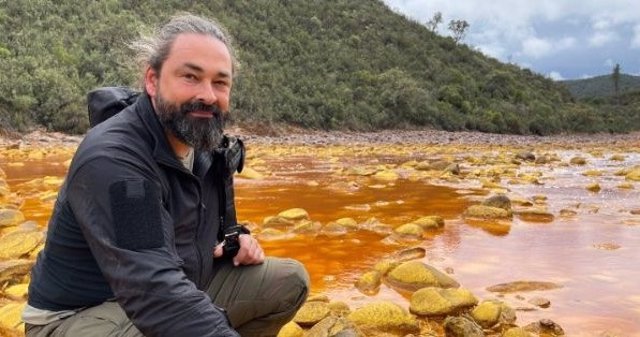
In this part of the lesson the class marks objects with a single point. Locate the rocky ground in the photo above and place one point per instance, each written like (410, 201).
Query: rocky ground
(311, 137)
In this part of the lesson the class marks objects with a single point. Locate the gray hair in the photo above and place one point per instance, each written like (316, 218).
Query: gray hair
(153, 51)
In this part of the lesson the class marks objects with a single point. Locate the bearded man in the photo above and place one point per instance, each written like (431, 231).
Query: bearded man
(143, 239)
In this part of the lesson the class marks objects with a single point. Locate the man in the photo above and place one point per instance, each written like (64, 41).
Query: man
(135, 245)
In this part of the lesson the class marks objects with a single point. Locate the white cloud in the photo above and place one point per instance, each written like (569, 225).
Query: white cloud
(608, 63)
(635, 40)
(601, 38)
(566, 43)
(536, 47)
(554, 75)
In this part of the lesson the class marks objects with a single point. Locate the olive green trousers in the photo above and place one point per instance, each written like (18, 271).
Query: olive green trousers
(259, 300)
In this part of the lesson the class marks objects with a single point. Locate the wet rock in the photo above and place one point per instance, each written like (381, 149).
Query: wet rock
(633, 175)
(432, 301)
(291, 329)
(521, 286)
(617, 157)
(385, 266)
(544, 159)
(487, 212)
(540, 302)
(567, 213)
(10, 217)
(625, 186)
(294, 214)
(491, 313)
(311, 313)
(430, 222)
(17, 292)
(361, 171)
(272, 234)
(408, 254)
(306, 227)
(277, 222)
(461, 327)
(6, 332)
(545, 327)
(592, 173)
(607, 246)
(249, 173)
(595, 187)
(578, 161)
(377, 318)
(516, 332)
(499, 201)
(10, 314)
(14, 269)
(18, 243)
(322, 328)
(334, 229)
(535, 214)
(369, 282)
(318, 298)
(339, 308)
(386, 175)
(526, 156)
(348, 223)
(413, 275)
(409, 231)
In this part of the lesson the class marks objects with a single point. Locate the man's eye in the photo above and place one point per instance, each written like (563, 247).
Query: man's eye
(191, 77)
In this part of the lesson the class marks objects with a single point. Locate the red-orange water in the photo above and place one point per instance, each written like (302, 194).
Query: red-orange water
(600, 289)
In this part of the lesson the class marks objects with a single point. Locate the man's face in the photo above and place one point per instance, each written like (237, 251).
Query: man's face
(191, 92)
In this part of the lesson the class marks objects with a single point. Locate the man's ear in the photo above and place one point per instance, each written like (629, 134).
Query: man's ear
(151, 81)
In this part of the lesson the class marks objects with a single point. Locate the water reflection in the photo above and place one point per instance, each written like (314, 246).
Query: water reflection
(599, 290)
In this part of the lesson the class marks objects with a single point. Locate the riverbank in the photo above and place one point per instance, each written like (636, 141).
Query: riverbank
(294, 136)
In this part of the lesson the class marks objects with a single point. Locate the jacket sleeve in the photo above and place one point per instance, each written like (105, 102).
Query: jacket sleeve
(119, 208)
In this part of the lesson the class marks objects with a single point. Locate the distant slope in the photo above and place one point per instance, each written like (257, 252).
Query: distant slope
(324, 64)
(601, 86)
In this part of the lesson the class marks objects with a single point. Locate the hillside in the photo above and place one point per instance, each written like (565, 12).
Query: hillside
(334, 64)
(601, 86)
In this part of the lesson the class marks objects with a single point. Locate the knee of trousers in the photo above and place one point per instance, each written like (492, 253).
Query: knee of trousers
(294, 284)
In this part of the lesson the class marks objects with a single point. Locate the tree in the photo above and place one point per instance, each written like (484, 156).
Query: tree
(432, 24)
(616, 81)
(458, 28)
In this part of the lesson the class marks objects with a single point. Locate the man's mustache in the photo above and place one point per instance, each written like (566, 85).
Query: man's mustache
(189, 107)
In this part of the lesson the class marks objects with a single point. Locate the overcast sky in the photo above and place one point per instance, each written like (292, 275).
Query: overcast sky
(561, 39)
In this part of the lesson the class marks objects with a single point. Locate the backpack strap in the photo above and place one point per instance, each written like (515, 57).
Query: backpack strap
(103, 103)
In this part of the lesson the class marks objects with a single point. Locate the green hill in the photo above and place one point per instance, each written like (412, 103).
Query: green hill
(324, 64)
(602, 86)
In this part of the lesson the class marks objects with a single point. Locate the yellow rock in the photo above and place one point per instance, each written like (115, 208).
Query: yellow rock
(16, 164)
(291, 329)
(633, 175)
(17, 291)
(369, 282)
(294, 214)
(311, 313)
(592, 173)
(410, 230)
(626, 185)
(10, 314)
(595, 187)
(517, 332)
(617, 157)
(431, 301)
(487, 313)
(347, 222)
(249, 173)
(18, 243)
(578, 161)
(378, 318)
(10, 217)
(487, 212)
(431, 221)
(386, 175)
(52, 182)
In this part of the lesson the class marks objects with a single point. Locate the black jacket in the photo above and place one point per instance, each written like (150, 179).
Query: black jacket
(132, 223)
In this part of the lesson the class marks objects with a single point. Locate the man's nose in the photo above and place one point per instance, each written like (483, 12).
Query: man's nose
(207, 94)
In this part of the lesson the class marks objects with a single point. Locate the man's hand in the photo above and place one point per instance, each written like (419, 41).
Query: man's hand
(250, 251)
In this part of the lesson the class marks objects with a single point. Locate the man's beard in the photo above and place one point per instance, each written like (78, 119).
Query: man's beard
(204, 134)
